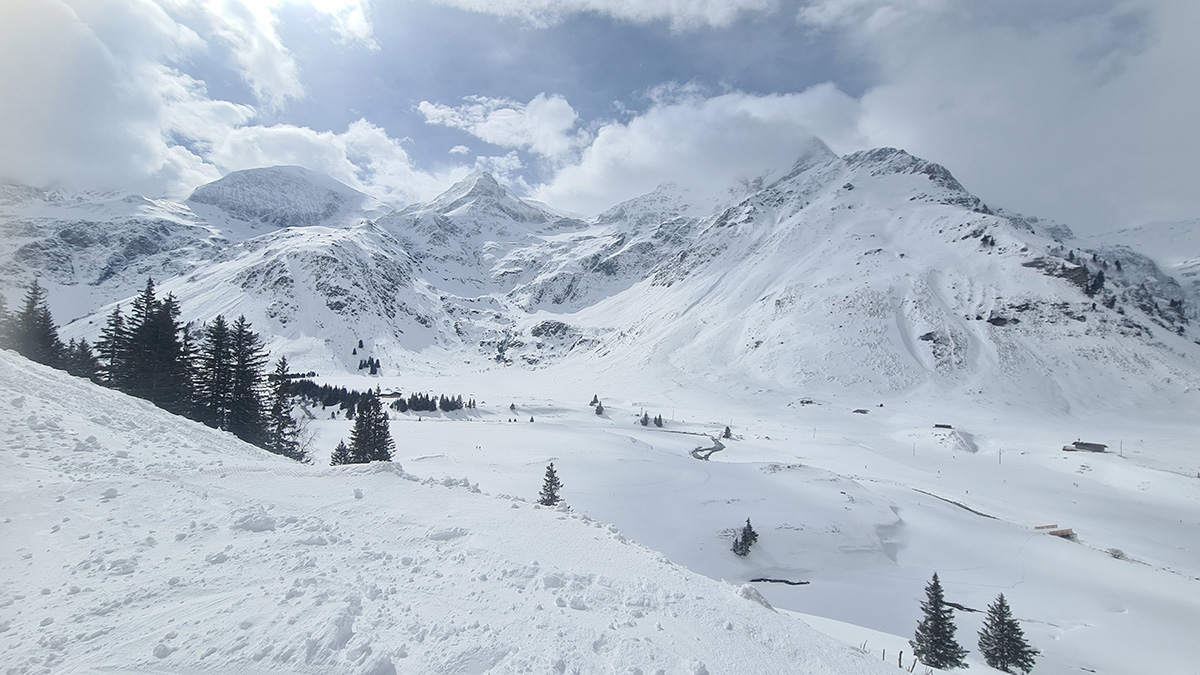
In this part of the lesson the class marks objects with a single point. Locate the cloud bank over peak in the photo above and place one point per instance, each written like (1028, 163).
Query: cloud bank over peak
(1082, 110)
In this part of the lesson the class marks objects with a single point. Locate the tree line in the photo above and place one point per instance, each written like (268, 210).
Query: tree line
(214, 374)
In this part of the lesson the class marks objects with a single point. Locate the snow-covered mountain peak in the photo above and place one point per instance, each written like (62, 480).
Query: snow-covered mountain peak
(881, 162)
(482, 196)
(281, 196)
(666, 202)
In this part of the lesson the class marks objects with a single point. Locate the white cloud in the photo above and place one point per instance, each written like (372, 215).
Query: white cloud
(90, 110)
(363, 157)
(460, 150)
(249, 28)
(681, 14)
(706, 145)
(1081, 111)
(544, 126)
(104, 109)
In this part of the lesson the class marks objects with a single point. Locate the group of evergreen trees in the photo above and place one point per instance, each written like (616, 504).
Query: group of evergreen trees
(1001, 640)
(658, 420)
(30, 331)
(326, 395)
(743, 541)
(370, 439)
(213, 375)
(427, 403)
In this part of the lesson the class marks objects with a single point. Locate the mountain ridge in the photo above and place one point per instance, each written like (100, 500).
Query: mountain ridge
(877, 253)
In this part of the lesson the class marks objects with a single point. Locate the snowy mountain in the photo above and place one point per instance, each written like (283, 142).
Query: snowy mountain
(899, 362)
(877, 271)
(281, 196)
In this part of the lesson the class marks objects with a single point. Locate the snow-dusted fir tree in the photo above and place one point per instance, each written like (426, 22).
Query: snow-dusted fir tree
(1002, 642)
(934, 642)
(550, 487)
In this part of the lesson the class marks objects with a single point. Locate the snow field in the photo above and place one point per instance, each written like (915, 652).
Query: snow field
(140, 542)
(864, 506)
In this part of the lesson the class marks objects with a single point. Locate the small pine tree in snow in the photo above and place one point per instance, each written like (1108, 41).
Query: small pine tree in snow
(599, 408)
(934, 642)
(740, 547)
(1002, 642)
(744, 540)
(645, 419)
(749, 535)
(728, 433)
(658, 422)
(550, 487)
(595, 399)
(341, 455)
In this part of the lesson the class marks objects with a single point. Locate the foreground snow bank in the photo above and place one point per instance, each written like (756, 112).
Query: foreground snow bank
(138, 541)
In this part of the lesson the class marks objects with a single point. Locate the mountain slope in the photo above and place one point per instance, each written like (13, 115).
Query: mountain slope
(143, 542)
(876, 272)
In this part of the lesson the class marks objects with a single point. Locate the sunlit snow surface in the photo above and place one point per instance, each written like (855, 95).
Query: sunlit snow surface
(138, 542)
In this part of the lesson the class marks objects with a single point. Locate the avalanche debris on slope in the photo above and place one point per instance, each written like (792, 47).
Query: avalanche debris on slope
(139, 541)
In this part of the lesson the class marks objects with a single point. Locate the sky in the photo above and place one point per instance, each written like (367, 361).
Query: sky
(1083, 111)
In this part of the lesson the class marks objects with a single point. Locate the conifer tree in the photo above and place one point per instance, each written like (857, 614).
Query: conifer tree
(370, 439)
(744, 540)
(32, 332)
(749, 535)
(645, 419)
(550, 487)
(283, 434)
(112, 349)
(599, 408)
(341, 455)
(246, 416)
(214, 375)
(156, 369)
(934, 642)
(1002, 642)
(740, 547)
(80, 361)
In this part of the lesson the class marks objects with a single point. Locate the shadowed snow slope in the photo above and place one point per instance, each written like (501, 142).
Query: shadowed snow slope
(140, 542)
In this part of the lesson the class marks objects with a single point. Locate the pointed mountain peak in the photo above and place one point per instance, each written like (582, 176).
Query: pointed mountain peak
(884, 161)
(894, 161)
(477, 184)
(481, 192)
